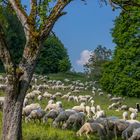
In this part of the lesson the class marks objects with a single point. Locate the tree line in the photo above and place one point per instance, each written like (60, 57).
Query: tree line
(119, 72)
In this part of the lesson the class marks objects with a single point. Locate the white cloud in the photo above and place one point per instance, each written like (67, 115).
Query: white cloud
(84, 57)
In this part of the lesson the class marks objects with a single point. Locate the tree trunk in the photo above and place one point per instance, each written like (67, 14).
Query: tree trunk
(12, 117)
(18, 84)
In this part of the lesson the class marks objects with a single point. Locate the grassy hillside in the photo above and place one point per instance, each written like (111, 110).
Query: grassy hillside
(40, 131)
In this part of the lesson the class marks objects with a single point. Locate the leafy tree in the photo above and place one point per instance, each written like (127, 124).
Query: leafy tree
(122, 75)
(53, 57)
(98, 57)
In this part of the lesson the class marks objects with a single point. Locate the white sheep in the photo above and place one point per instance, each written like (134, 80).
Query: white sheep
(125, 115)
(27, 110)
(133, 116)
(133, 110)
(88, 111)
(39, 97)
(99, 114)
(98, 108)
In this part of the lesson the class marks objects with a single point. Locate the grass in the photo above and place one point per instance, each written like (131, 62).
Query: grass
(40, 131)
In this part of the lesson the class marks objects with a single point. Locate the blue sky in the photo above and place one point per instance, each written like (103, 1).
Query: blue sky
(83, 28)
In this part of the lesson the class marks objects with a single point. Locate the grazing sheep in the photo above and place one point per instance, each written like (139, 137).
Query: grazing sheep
(120, 126)
(56, 105)
(27, 110)
(92, 128)
(88, 111)
(51, 101)
(116, 99)
(75, 120)
(62, 117)
(93, 109)
(124, 107)
(129, 130)
(133, 110)
(98, 108)
(80, 108)
(92, 102)
(35, 114)
(99, 114)
(135, 135)
(125, 115)
(39, 97)
(133, 116)
(52, 114)
(114, 105)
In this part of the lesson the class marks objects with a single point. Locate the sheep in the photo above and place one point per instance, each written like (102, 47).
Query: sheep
(114, 105)
(53, 106)
(125, 115)
(132, 110)
(93, 109)
(133, 116)
(92, 128)
(120, 126)
(135, 135)
(76, 99)
(98, 108)
(63, 116)
(99, 114)
(75, 120)
(88, 111)
(92, 102)
(124, 107)
(101, 93)
(80, 108)
(35, 114)
(109, 96)
(58, 94)
(39, 97)
(70, 98)
(59, 104)
(51, 101)
(27, 110)
(129, 130)
(47, 95)
(65, 96)
(116, 99)
(51, 114)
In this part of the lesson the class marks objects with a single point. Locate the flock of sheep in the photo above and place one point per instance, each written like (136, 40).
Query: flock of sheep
(86, 117)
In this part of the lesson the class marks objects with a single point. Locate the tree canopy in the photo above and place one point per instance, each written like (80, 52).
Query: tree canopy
(122, 75)
(53, 57)
(98, 57)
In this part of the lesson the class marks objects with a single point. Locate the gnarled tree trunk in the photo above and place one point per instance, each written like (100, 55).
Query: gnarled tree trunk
(18, 84)
(12, 117)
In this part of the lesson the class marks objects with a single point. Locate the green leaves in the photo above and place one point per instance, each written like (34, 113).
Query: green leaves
(53, 57)
(122, 75)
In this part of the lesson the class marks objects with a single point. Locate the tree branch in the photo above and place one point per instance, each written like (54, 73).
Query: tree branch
(4, 52)
(33, 12)
(22, 16)
(55, 14)
(124, 3)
